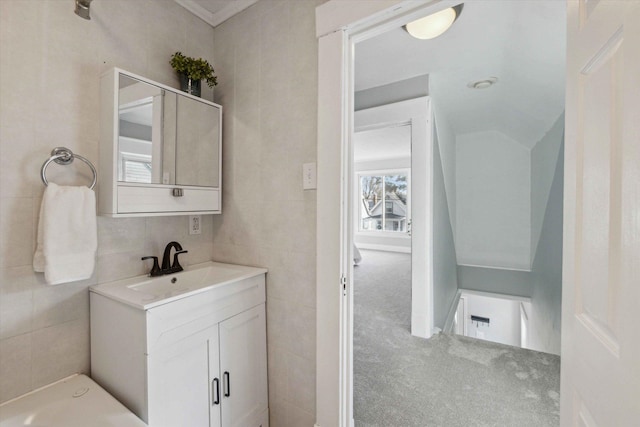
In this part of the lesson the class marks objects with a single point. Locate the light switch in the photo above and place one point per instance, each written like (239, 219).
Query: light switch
(309, 180)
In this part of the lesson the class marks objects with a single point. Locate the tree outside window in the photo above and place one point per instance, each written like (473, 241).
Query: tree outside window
(383, 204)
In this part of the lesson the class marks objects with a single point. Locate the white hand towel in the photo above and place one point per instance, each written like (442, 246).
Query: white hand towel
(67, 234)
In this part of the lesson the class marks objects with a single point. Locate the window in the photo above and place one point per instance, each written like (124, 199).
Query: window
(383, 202)
(135, 168)
(136, 171)
(388, 207)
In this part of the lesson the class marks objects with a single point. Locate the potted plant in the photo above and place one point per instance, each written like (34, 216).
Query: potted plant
(192, 71)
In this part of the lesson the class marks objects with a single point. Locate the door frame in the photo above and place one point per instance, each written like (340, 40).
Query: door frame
(340, 24)
(417, 113)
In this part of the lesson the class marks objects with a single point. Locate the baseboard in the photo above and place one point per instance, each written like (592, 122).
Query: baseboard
(385, 248)
(494, 267)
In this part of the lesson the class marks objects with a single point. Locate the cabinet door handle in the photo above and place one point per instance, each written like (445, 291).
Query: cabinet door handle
(227, 384)
(215, 391)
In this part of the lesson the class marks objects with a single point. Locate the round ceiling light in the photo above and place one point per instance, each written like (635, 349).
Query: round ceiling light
(433, 25)
(482, 84)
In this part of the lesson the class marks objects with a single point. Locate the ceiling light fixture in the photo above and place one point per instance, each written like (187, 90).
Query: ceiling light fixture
(482, 84)
(431, 26)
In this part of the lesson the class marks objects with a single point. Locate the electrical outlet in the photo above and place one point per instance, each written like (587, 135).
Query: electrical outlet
(195, 222)
(309, 176)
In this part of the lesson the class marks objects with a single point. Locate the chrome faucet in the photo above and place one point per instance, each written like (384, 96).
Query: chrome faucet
(167, 266)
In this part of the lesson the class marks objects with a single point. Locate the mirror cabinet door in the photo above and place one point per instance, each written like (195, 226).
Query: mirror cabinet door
(166, 138)
(141, 111)
(169, 126)
(197, 143)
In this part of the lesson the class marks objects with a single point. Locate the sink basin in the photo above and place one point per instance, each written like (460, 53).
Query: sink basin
(145, 292)
(157, 287)
(177, 283)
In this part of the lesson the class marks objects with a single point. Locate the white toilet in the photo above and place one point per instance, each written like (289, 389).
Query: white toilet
(76, 401)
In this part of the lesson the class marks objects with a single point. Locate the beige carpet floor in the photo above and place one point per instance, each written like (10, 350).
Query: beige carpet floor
(446, 381)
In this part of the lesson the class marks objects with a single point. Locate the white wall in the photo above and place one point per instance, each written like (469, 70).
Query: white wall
(378, 165)
(50, 65)
(402, 90)
(497, 280)
(546, 273)
(447, 146)
(504, 315)
(544, 156)
(267, 58)
(493, 201)
(544, 282)
(445, 276)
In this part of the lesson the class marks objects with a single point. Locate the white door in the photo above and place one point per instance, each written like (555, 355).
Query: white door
(601, 289)
(243, 366)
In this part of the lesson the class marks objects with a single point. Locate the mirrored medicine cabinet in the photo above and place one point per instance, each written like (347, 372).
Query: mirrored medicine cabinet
(160, 149)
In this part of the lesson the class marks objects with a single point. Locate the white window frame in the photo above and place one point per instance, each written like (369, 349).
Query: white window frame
(125, 157)
(382, 172)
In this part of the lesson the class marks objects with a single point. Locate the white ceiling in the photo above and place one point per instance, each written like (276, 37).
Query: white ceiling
(215, 12)
(522, 43)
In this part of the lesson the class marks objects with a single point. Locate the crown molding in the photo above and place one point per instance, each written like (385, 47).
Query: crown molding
(216, 18)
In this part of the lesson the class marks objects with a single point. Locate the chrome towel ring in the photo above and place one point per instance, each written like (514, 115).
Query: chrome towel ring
(64, 156)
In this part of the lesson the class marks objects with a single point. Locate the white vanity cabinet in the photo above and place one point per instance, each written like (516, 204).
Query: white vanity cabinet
(194, 360)
(160, 149)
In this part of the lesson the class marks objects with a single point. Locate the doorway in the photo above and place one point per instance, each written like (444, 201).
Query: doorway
(392, 143)
(595, 43)
(404, 16)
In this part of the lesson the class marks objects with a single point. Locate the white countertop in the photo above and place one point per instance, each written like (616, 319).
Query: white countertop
(144, 292)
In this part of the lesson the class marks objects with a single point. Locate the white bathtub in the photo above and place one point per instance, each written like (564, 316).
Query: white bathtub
(75, 401)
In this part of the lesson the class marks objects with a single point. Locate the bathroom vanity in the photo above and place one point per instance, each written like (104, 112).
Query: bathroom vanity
(160, 149)
(185, 349)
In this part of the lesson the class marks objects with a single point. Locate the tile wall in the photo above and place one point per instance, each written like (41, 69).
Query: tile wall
(268, 61)
(50, 63)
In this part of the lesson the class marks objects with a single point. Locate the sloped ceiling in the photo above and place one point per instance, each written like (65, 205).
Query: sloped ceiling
(215, 12)
(522, 43)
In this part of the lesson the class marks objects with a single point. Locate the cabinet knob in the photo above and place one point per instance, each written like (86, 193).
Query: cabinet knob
(177, 192)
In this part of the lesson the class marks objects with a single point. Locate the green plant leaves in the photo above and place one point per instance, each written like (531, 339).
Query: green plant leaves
(195, 69)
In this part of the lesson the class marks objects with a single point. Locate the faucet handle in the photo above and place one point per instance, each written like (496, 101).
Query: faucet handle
(155, 270)
(175, 267)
